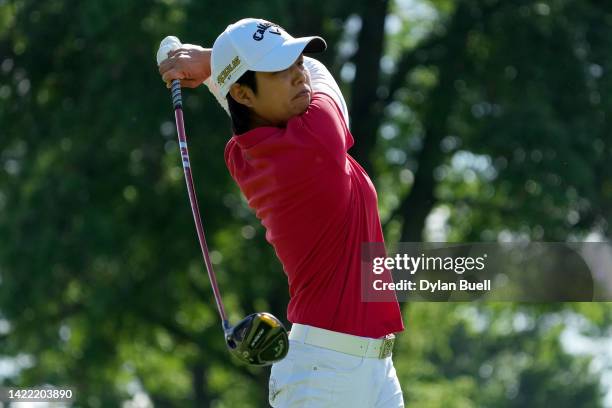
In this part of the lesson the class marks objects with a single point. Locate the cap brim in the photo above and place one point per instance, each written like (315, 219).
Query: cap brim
(282, 57)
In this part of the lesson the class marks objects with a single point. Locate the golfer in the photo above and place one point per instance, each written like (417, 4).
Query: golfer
(289, 156)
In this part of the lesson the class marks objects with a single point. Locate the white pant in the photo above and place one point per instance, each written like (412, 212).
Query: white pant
(315, 377)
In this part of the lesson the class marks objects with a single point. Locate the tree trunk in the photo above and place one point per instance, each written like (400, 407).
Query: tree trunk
(198, 382)
(366, 110)
(418, 204)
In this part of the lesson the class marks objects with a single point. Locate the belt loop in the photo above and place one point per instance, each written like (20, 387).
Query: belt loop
(305, 330)
(371, 346)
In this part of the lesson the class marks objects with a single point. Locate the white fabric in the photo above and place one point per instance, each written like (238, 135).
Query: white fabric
(170, 43)
(341, 342)
(322, 80)
(255, 45)
(214, 89)
(315, 377)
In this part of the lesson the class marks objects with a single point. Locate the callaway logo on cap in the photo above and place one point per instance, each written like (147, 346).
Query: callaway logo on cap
(256, 45)
(261, 30)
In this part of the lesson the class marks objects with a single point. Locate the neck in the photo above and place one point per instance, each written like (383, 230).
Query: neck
(257, 121)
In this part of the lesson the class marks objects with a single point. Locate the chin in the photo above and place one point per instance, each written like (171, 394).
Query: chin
(303, 106)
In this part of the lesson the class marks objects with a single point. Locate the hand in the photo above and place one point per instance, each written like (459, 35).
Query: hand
(190, 64)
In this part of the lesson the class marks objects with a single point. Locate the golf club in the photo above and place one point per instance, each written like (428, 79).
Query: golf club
(260, 339)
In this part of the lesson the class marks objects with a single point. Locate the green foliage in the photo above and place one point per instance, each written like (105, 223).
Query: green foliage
(102, 286)
(475, 356)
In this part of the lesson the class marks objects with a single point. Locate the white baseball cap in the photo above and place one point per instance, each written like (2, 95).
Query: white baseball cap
(256, 45)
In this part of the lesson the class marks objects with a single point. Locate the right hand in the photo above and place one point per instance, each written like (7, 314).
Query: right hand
(190, 64)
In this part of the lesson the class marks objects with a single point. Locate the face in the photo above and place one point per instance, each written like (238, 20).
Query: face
(280, 95)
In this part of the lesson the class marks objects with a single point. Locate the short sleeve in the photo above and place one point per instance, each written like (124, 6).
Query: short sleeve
(322, 80)
(324, 122)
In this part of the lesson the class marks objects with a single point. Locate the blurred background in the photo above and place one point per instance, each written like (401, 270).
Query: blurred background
(477, 121)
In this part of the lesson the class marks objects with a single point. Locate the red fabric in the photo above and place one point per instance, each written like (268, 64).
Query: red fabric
(318, 206)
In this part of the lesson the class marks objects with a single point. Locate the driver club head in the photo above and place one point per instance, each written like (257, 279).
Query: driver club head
(259, 339)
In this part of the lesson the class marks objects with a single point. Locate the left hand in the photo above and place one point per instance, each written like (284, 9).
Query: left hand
(190, 64)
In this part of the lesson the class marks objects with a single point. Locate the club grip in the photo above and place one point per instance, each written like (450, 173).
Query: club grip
(177, 99)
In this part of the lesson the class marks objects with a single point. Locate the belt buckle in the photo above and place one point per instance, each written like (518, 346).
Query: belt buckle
(387, 346)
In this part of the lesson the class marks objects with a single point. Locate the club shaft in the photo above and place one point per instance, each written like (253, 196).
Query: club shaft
(193, 200)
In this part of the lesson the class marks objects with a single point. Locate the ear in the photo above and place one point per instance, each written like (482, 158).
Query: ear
(242, 94)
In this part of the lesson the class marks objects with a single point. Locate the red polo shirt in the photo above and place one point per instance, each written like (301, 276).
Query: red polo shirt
(318, 206)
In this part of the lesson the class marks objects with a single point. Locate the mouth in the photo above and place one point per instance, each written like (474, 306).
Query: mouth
(302, 93)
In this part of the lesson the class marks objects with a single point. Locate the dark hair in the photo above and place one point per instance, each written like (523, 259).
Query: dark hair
(239, 113)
